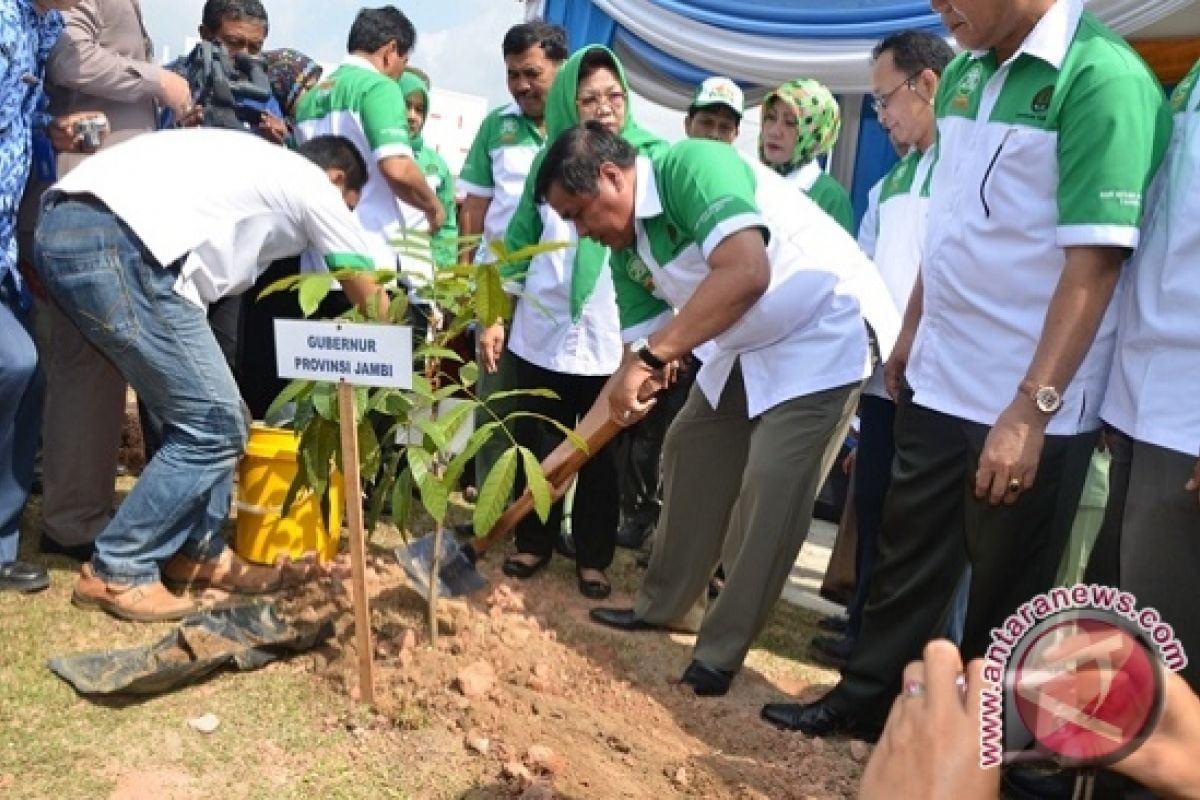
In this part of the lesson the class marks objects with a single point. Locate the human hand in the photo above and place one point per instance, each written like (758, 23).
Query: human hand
(436, 216)
(1008, 463)
(174, 93)
(1193, 484)
(894, 369)
(1166, 762)
(491, 346)
(633, 381)
(272, 128)
(190, 117)
(930, 747)
(66, 139)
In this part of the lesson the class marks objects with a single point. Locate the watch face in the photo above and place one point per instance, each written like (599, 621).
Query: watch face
(1047, 399)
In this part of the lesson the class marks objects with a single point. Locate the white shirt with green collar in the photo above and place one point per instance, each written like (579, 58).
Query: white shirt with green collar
(1156, 373)
(1052, 149)
(896, 251)
(497, 165)
(806, 334)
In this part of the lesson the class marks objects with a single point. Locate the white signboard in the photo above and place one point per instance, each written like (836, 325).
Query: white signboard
(359, 354)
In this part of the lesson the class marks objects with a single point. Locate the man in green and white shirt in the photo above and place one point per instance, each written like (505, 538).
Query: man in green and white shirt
(711, 248)
(362, 101)
(1150, 542)
(1050, 129)
(493, 175)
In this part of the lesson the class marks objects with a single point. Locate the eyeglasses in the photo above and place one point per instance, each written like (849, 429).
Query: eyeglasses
(591, 102)
(880, 101)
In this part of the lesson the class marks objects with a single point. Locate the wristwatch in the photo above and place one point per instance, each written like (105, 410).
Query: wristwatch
(1046, 399)
(642, 348)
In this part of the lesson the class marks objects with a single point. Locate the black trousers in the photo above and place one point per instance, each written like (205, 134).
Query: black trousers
(933, 527)
(872, 477)
(594, 514)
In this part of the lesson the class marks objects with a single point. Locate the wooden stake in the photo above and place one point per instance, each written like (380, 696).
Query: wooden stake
(358, 549)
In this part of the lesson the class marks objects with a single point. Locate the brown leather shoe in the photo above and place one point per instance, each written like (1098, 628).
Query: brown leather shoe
(148, 602)
(228, 572)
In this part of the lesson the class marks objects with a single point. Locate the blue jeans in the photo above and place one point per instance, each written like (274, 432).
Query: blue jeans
(124, 303)
(21, 388)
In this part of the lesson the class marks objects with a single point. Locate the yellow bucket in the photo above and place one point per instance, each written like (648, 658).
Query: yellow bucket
(264, 475)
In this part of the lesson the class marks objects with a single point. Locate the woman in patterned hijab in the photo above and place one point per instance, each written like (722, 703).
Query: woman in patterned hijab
(291, 74)
(801, 120)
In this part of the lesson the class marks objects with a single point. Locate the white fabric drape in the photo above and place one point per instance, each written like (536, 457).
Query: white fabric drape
(841, 64)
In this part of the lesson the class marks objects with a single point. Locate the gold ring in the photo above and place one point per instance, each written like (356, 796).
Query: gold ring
(1014, 485)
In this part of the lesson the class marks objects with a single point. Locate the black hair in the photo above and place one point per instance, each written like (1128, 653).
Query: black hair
(337, 152)
(374, 28)
(916, 51)
(598, 58)
(536, 33)
(574, 160)
(217, 12)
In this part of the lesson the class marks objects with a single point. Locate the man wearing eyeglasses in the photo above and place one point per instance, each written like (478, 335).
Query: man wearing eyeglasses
(905, 73)
(1049, 131)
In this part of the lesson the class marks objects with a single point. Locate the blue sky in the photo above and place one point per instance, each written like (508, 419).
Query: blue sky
(458, 41)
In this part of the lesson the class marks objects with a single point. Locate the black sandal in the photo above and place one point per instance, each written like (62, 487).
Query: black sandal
(519, 569)
(592, 589)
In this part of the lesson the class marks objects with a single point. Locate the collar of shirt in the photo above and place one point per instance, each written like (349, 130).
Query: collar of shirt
(1051, 37)
(646, 201)
(360, 62)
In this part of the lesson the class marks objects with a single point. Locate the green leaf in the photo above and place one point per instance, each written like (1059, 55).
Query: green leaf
(474, 444)
(456, 417)
(528, 252)
(547, 393)
(539, 487)
(370, 454)
(497, 488)
(434, 433)
(491, 301)
(499, 250)
(432, 351)
(468, 374)
(434, 496)
(402, 500)
(398, 310)
(578, 441)
(295, 391)
(324, 400)
(362, 398)
(421, 387)
(390, 402)
(281, 285)
(382, 489)
(313, 289)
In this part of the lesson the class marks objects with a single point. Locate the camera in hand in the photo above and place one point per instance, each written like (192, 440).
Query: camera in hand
(233, 90)
(89, 132)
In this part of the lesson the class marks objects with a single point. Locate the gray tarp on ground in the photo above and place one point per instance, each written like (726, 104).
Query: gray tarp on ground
(247, 637)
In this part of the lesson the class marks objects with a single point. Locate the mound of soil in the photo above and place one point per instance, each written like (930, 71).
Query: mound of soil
(548, 704)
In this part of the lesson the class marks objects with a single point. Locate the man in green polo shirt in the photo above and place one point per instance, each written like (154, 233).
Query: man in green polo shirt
(1050, 129)
(362, 101)
(493, 175)
(715, 253)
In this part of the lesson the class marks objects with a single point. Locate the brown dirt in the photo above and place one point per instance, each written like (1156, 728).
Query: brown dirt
(575, 710)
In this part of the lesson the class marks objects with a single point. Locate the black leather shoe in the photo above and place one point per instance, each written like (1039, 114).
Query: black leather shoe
(593, 589)
(623, 619)
(17, 576)
(78, 552)
(833, 651)
(519, 569)
(706, 681)
(818, 719)
(633, 534)
(834, 623)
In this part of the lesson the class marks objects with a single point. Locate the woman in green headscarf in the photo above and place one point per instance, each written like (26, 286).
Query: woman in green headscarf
(801, 121)
(437, 172)
(565, 334)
